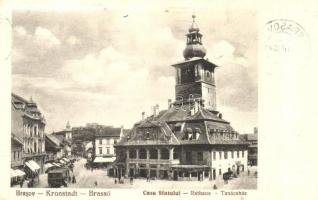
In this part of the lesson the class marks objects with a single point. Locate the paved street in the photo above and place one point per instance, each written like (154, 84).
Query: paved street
(86, 179)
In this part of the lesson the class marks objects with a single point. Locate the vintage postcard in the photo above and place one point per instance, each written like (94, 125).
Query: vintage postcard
(166, 99)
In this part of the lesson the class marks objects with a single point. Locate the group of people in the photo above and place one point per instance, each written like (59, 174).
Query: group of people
(122, 180)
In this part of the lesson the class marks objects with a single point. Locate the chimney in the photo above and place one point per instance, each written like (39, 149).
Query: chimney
(255, 130)
(169, 103)
(121, 132)
(195, 107)
(155, 108)
(143, 115)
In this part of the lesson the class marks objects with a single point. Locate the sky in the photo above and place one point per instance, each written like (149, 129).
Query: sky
(109, 65)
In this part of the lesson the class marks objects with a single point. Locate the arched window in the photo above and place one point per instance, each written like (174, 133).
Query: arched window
(142, 153)
(132, 153)
(164, 154)
(153, 153)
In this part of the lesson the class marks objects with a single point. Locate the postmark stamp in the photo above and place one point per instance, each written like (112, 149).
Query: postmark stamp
(286, 40)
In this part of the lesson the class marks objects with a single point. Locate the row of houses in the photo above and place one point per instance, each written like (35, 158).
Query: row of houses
(31, 148)
(27, 138)
(96, 143)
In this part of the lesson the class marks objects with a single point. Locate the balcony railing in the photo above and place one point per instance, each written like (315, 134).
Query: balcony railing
(25, 155)
(155, 161)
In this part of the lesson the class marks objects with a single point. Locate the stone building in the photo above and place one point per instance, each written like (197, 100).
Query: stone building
(252, 140)
(16, 152)
(28, 124)
(16, 173)
(103, 145)
(54, 148)
(65, 138)
(190, 140)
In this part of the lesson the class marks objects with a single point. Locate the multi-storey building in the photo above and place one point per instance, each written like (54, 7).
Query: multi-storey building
(252, 140)
(16, 152)
(65, 137)
(27, 124)
(103, 145)
(54, 148)
(16, 173)
(190, 140)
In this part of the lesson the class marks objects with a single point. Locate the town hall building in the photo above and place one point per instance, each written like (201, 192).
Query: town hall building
(190, 140)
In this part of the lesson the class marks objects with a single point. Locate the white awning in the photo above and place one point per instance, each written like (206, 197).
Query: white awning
(19, 172)
(13, 173)
(62, 161)
(66, 160)
(104, 160)
(34, 164)
(57, 164)
(30, 166)
(47, 166)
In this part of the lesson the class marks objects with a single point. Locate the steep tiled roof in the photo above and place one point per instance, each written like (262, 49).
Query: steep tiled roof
(108, 132)
(251, 136)
(53, 139)
(201, 121)
(183, 114)
(165, 136)
(22, 108)
(16, 138)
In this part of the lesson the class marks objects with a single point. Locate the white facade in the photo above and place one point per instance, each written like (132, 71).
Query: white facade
(221, 163)
(68, 135)
(104, 146)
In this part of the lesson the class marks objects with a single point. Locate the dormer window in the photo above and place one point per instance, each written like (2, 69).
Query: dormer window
(197, 136)
(197, 133)
(177, 127)
(147, 135)
(189, 134)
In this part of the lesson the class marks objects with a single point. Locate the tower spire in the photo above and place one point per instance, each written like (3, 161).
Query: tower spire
(68, 126)
(194, 46)
(195, 80)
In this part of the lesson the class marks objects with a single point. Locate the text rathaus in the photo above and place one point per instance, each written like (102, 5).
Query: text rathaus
(189, 140)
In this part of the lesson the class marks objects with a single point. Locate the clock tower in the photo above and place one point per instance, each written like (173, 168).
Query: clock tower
(195, 78)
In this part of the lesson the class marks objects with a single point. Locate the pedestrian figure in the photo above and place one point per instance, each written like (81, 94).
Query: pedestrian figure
(64, 184)
(21, 183)
(248, 172)
(70, 179)
(214, 187)
(131, 180)
(74, 180)
(115, 180)
(148, 178)
(96, 183)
